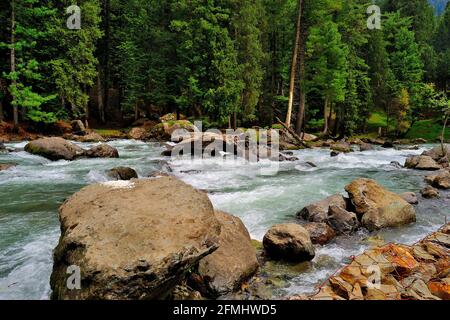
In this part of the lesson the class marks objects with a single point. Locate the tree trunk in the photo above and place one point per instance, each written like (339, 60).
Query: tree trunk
(444, 149)
(1, 111)
(234, 121)
(101, 107)
(106, 59)
(325, 117)
(13, 58)
(294, 64)
(299, 127)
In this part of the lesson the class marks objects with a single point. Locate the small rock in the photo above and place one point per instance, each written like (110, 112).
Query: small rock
(430, 193)
(334, 154)
(342, 147)
(290, 242)
(6, 166)
(342, 221)
(365, 147)
(388, 145)
(410, 197)
(122, 173)
(396, 164)
(442, 181)
(90, 137)
(138, 134)
(318, 211)
(78, 127)
(320, 233)
(102, 151)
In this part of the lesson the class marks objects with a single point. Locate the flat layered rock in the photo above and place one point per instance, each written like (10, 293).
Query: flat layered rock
(418, 272)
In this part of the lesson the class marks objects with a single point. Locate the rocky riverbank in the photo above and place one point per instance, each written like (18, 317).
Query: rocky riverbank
(394, 272)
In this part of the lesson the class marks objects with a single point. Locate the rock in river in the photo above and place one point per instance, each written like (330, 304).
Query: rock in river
(132, 240)
(341, 220)
(54, 149)
(233, 262)
(318, 211)
(102, 151)
(289, 242)
(6, 166)
(320, 233)
(379, 207)
(410, 197)
(430, 193)
(122, 173)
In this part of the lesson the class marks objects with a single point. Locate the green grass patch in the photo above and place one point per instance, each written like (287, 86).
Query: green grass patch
(109, 133)
(427, 129)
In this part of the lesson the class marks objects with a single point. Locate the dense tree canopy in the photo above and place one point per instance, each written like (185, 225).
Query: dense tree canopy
(227, 62)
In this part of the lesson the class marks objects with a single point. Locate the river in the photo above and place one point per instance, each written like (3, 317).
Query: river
(31, 193)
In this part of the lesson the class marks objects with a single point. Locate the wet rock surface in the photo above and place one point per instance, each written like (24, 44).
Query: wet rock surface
(419, 272)
(132, 240)
(289, 242)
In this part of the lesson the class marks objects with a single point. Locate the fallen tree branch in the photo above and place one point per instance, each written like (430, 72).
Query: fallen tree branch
(292, 132)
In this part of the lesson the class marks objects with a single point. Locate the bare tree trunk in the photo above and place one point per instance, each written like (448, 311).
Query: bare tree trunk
(101, 107)
(234, 121)
(13, 57)
(1, 111)
(106, 59)
(444, 149)
(325, 117)
(294, 64)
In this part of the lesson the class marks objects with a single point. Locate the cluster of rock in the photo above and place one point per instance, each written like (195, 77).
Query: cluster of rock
(145, 239)
(394, 272)
(438, 181)
(369, 205)
(434, 159)
(80, 133)
(56, 148)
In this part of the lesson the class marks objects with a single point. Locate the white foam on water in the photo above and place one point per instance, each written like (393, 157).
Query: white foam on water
(28, 268)
(121, 184)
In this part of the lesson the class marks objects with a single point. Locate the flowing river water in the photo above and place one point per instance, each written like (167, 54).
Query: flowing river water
(31, 193)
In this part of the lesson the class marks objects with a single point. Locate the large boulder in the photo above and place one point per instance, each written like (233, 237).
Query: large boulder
(102, 151)
(320, 232)
(122, 173)
(132, 240)
(341, 220)
(318, 211)
(379, 207)
(289, 242)
(233, 262)
(54, 149)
